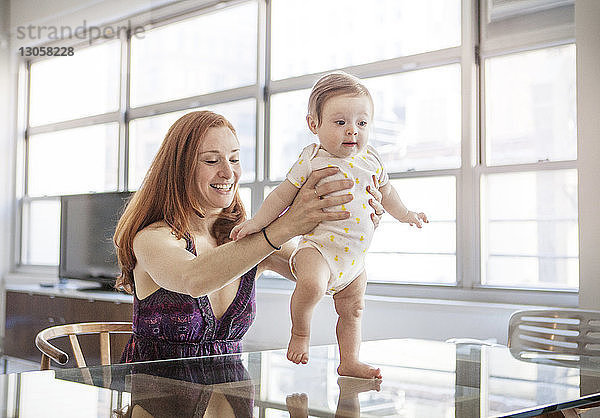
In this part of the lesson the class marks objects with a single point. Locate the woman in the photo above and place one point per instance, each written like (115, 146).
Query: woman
(194, 288)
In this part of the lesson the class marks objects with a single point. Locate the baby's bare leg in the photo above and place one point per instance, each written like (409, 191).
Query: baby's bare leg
(312, 274)
(349, 304)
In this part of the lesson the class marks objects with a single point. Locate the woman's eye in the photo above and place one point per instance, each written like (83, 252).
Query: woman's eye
(234, 161)
(340, 122)
(210, 161)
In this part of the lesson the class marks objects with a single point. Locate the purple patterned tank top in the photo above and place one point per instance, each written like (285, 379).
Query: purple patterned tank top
(169, 325)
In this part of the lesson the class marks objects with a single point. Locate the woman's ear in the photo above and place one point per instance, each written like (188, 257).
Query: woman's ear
(312, 124)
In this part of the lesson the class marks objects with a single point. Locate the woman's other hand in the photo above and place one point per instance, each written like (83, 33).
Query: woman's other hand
(376, 202)
(306, 211)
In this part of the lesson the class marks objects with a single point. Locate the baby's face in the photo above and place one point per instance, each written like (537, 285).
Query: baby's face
(344, 129)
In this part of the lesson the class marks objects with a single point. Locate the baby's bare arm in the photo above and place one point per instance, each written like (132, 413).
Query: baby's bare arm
(392, 203)
(276, 202)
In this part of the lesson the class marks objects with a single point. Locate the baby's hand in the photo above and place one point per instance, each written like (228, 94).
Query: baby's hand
(415, 218)
(245, 228)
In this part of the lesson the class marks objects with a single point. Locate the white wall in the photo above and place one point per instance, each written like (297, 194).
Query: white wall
(383, 318)
(587, 32)
(6, 150)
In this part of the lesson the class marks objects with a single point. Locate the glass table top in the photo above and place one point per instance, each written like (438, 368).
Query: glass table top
(420, 379)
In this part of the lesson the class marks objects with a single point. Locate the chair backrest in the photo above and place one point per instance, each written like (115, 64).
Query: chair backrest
(104, 329)
(568, 332)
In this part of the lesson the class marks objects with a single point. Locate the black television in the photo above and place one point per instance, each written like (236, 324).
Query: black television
(87, 225)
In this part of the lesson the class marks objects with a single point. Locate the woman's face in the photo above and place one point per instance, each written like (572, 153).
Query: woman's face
(218, 169)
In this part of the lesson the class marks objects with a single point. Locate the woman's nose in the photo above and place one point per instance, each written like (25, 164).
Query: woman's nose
(226, 171)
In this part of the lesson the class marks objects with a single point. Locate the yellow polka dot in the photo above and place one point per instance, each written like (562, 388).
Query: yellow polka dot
(377, 171)
(302, 179)
(304, 241)
(364, 251)
(362, 237)
(300, 162)
(364, 158)
(331, 237)
(321, 245)
(346, 230)
(346, 249)
(332, 289)
(352, 157)
(329, 165)
(296, 184)
(341, 274)
(351, 165)
(345, 175)
(357, 220)
(336, 258)
(343, 207)
(353, 262)
(357, 180)
(311, 234)
(364, 206)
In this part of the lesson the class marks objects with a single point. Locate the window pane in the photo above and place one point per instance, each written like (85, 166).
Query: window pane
(310, 36)
(212, 52)
(41, 232)
(79, 160)
(146, 135)
(529, 229)
(417, 122)
(84, 84)
(401, 253)
(289, 132)
(531, 113)
(246, 196)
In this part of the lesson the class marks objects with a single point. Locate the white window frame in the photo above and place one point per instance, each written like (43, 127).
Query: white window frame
(473, 47)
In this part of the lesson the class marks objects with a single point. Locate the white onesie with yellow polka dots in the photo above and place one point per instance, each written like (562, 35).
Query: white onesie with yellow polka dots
(343, 243)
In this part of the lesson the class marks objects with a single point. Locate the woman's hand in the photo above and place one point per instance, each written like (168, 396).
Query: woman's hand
(376, 202)
(306, 211)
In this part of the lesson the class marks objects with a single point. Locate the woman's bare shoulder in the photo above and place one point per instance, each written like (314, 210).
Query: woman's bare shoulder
(157, 233)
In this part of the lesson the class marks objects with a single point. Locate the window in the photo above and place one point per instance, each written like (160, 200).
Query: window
(476, 128)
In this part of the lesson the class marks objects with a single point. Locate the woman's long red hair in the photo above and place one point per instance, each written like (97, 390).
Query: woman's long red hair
(169, 192)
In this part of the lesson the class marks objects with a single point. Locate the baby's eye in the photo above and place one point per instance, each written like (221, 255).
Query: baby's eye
(340, 122)
(362, 123)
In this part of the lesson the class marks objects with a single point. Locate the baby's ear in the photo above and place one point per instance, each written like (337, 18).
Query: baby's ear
(312, 123)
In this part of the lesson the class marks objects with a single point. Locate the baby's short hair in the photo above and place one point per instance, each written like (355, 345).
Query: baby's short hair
(334, 84)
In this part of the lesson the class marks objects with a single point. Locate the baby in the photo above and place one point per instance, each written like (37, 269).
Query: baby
(330, 259)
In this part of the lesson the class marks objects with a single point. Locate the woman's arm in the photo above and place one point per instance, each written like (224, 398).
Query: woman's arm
(172, 267)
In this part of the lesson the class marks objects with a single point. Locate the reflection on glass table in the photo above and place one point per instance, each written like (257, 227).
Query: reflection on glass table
(420, 379)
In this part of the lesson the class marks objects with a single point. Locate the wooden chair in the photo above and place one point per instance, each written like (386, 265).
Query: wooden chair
(104, 329)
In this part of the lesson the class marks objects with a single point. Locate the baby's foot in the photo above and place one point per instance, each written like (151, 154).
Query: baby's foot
(298, 349)
(358, 369)
(297, 405)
